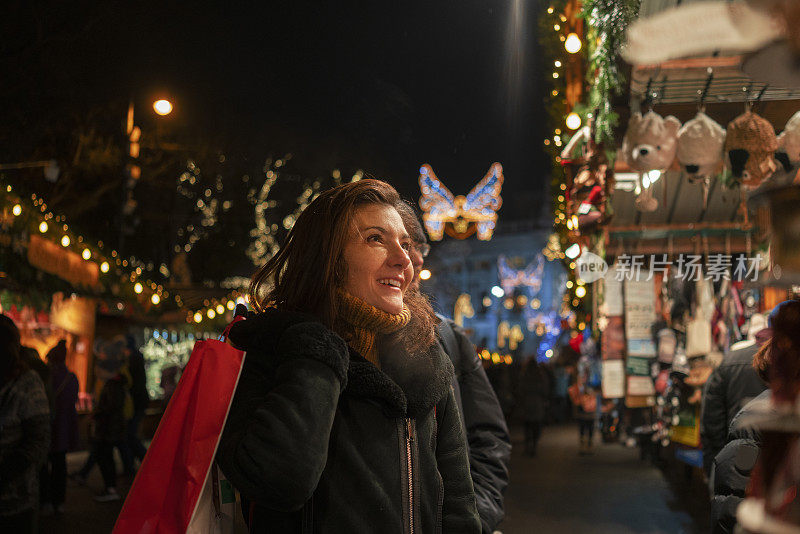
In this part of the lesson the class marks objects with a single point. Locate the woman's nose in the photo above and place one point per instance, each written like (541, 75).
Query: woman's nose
(399, 256)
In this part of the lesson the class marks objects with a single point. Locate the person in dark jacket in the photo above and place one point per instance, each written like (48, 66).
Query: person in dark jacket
(133, 448)
(731, 385)
(535, 393)
(24, 434)
(64, 385)
(110, 419)
(343, 419)
(734, 464)
(488, 440)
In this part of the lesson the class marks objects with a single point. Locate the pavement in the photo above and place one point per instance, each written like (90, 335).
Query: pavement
(612, 491)
(558, 491)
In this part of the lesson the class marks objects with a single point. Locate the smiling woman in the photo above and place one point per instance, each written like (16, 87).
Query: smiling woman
(344, 419)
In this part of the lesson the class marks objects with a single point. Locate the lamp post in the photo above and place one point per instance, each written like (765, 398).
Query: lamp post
(133, 171)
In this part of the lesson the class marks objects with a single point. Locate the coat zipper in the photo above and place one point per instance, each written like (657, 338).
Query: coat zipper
(409, 440)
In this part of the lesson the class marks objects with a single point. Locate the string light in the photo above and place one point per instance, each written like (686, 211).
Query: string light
(573, 43)
(16, 210)
(65, 241)
(104, 267)
(137, 288)
(43, 227)
(86, 254)
(210, 313)
(155, 299)
(573, 121)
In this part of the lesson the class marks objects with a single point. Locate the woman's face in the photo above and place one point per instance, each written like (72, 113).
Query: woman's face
(378, 267)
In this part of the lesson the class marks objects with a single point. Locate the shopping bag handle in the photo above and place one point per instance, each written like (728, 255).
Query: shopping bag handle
(238, 315)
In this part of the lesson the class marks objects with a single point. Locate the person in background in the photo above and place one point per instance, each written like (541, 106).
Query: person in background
(64, 385)
(30, 357)
(731, 385)
(535, 394)
(133, 449)
(733, 466)
(486, 430)
(110, 418)
(24, 435)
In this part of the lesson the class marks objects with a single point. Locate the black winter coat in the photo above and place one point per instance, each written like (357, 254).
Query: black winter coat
(732, 385)
(323, 441)
(487, 433)
(733, 465)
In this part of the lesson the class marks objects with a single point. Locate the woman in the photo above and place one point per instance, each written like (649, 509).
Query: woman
(64, 425)
(24, 434)
(343, 419)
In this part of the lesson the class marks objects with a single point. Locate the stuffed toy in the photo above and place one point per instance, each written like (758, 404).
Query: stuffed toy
(789, 142)
(700, 143)
(750, 148)
(650, 142)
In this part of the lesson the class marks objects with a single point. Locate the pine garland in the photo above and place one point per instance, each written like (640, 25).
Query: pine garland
(607, 21)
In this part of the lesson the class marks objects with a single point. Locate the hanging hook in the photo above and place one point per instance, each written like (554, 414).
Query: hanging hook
(748, 105)
(760, 95)
(647, 100)
(701, 105)
(663, 89)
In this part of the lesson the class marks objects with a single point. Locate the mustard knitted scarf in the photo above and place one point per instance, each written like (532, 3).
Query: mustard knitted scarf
(362, 322)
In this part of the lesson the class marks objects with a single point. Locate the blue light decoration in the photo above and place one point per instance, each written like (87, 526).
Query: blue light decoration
(530, 276)
(551, 330)
(460, 216)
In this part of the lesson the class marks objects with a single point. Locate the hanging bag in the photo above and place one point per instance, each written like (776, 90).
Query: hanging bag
(179, 487)
(698, 336)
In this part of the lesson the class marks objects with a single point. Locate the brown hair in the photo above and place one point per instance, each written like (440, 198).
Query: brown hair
(309, 267)
(762, 361)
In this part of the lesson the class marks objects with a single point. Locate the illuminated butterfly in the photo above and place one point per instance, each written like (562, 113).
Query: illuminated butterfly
(475, 212)
(530, 276)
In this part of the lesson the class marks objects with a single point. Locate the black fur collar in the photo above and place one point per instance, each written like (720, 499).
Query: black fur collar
(406, 385)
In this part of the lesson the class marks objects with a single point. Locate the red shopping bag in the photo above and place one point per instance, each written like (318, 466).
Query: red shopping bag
(167, 488)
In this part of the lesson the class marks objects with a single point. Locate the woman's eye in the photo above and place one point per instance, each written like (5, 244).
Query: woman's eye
(375, 238)
(406, 246)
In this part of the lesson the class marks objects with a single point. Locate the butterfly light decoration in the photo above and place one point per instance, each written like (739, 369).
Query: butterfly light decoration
(476, 212)
(530, 276)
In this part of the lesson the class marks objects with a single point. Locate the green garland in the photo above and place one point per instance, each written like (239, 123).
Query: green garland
(607, 21)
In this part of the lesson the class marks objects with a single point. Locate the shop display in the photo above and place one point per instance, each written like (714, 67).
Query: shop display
(650, 144)
(750, 148)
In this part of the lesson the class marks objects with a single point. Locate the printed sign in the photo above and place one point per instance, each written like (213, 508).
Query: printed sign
(640, 313)
(613, 379)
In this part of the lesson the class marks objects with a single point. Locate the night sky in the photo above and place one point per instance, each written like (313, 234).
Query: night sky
(383, 86)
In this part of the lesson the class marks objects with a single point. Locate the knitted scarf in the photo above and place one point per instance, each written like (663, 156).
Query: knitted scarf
(362, 322)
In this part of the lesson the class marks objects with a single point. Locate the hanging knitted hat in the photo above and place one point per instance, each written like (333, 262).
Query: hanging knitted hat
(750, 148)
(700, 143)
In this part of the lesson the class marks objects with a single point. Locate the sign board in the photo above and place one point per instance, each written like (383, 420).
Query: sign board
(67, 265)
(640, 313)
(613, 379)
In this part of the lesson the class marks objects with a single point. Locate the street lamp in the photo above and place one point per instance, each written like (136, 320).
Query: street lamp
(162, 107)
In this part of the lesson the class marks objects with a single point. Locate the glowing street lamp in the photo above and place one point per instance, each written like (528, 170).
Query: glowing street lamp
(162, 107)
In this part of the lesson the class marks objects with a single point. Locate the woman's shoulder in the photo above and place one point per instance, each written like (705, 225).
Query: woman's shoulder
(259, 330)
